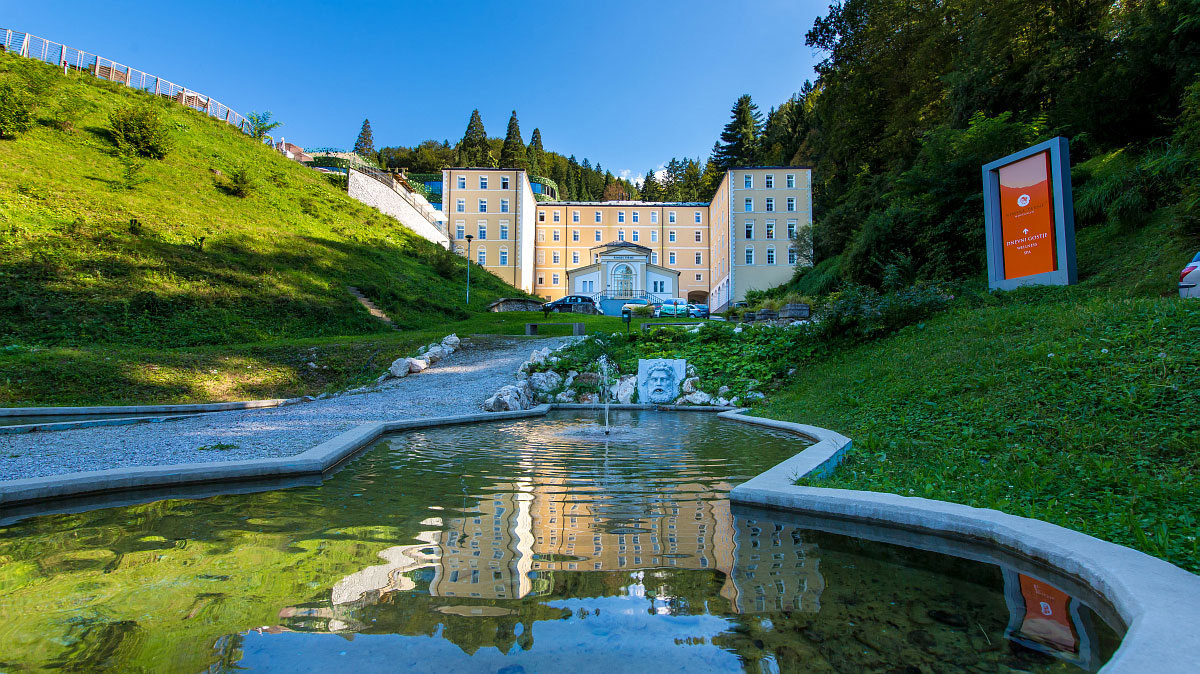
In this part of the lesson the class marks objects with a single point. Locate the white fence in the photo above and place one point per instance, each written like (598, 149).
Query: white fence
(70, 58)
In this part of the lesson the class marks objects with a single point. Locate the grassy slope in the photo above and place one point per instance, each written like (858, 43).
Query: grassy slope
(1076, 406)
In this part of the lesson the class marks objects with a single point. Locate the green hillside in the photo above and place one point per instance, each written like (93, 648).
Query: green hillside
(179, 260)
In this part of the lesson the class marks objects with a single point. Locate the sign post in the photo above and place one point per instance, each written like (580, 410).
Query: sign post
(1029, 217)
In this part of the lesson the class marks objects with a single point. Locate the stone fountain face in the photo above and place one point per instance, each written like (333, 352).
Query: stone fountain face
(659, 378)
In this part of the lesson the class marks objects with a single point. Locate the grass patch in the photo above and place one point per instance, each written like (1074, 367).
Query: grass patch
(219, 447)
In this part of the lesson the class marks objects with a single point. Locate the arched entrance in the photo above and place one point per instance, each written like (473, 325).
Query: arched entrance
(622, 284)
(697, 297)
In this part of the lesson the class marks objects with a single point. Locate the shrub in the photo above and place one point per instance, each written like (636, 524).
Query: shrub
(240, 183)
(131, 172)
(16, 112)
(644, 311)
(139, 129)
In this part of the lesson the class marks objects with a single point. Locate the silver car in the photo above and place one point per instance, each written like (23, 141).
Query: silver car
(1189, 278)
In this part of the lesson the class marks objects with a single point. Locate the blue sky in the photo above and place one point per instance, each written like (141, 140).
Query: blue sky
(625, 84)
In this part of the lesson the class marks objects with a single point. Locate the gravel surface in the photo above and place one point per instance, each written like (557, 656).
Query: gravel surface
(456, 385)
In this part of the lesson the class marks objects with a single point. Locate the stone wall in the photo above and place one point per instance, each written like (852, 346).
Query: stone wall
(375, 194)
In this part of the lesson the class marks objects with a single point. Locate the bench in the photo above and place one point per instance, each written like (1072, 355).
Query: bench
(646, 327)
(577, 329)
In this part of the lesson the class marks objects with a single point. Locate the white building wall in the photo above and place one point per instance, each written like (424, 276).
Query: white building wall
(371, 192)
(526, 225)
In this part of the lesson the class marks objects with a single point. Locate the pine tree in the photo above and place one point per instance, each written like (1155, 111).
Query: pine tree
(365, 145)
(534, 154)
(512, 155)
(651, 190)
(473, 149)
(739, 140)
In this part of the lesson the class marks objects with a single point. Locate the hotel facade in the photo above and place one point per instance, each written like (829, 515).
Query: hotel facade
(706, 252)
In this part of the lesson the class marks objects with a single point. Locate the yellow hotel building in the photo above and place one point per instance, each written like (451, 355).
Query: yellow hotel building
(709, 253)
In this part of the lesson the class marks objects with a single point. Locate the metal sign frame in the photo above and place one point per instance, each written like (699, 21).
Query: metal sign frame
(1064, 218)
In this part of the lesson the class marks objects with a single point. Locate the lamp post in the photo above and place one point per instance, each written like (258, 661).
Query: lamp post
(469, 237)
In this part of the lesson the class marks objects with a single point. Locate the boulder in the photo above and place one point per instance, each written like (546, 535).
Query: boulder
(696, 398)
(509, 398)
(723, 390)
(624, 389)
(587, 379)
(417, 365)
(399, 368)
(545, 382)
(570, 379)
(723, 402)
(539, 356)
(753, 396)
(567, 396)
(589, 398)
(691, 385)
(451, 340)
(435, 353)
(691, 371)
(738, 329)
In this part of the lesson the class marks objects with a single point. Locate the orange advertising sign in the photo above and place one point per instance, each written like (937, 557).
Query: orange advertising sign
(1047, 620)
(1027, 217)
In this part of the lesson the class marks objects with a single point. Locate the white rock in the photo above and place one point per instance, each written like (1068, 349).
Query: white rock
(697, 398)
(723, 390)
(451, 340)
(510, 397)
(312, 365)
(589, 398)
(570, 378)
(399, 368)
(417, 365)
(567, 396)
(691, 371)
(723, 402)
(795, 323)
(737, 329)
(544, 382)
(536, 358)
(435, 353)
(691, 385)
(754, 395)
(624, 389)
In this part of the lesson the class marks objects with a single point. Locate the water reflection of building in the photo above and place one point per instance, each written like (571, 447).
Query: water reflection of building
(776, 570)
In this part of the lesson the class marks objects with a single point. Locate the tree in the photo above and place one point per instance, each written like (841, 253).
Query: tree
(739, 140)
(473, 149)
(260, 124)
(651, 190)
(512, 155)
(365, 145)
(534, 154)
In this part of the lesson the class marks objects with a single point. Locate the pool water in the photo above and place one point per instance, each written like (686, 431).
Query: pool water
(534, 545)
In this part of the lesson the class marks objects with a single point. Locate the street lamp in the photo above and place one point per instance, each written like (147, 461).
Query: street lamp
(469, 237)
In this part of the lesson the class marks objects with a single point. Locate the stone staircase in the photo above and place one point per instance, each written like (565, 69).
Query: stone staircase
(370, 306)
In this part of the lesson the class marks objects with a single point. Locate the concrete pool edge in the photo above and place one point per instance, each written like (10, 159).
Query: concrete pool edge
(1159, 602)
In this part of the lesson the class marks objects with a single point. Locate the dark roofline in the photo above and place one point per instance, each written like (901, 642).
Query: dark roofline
(625, 203)
(482, 168)
(621, 244)
(746, 168)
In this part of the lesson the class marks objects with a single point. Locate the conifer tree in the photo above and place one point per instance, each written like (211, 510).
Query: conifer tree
(739, 140)
(534, 154)
(365, 145)
(651, 190)
(473, 149)
(512, 155)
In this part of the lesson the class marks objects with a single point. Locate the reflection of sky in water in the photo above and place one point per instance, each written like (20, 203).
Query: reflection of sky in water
(624, 637)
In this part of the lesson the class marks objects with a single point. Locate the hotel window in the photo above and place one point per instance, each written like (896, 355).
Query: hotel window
(557, 216)
(504, 230)
(791, 204)
(654, 235)
(597, 235)
(770, 204)
(483, 205)
(671, 257)
(699, 258)
(749, 182)
(504, 205)
(541, 280)
(697, 236)
(620, 235)
(769, 181)
(659, 286)
(671, 236)
(460, 206)
(654, 257)
(541, 258)
(460, 229)
(671, 217)
(697, 217)
(541, 216)
(791, 225)
(555, 236)
(620, 216)
(575, 257)
(770, 254)
(574, 216)
(503, 182)
(770, 229)
(635, 216)
(595, 257)
(598, 216)
(541, 235)
(503, 257)
(635, 234)
(555, 259)
(554, 278)
(653, 216)
(791, 256)
(749, 255)
(482, 256)
(749, 204)
(749, 229)
(483, 182)
(482, 225)
(791, 181)
(574, 234)
(699, 277)
(462, 182)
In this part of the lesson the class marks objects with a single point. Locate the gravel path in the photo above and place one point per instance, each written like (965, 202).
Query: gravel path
(456, 385)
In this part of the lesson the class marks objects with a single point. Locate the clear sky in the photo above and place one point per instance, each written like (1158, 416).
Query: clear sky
(626, 84)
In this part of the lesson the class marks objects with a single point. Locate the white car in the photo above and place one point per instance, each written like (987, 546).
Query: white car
(1189, 278)
(634, 304)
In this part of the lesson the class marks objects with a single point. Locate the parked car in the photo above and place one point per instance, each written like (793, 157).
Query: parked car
(635, 304)
(1189, 278)
(572, 303)
(676, 306)
(697, 311)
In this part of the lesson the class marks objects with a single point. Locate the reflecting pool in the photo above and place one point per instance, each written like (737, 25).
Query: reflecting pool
(520, 546)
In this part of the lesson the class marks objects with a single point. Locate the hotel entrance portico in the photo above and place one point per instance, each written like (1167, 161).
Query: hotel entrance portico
(622, 271)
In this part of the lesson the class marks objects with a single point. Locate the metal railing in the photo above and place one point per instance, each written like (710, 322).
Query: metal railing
(72, 59)
(401, 188)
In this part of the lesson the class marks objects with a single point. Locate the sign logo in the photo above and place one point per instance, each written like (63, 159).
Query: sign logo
(1023, 200)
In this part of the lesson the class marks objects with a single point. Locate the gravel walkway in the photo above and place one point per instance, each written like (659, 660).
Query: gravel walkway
(456, 385)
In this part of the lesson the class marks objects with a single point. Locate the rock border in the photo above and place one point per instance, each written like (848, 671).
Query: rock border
(1158, 601)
